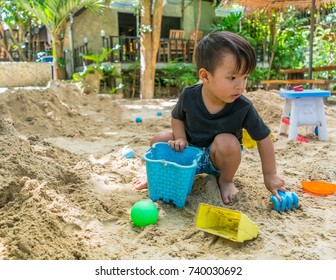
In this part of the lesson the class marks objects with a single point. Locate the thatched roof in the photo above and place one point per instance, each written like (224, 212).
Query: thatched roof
(280, 4)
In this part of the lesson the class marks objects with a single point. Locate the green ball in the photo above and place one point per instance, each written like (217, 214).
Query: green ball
(144, 213)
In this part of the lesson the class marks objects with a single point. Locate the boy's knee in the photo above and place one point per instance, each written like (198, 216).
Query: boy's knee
(226, 142)
(164, 136)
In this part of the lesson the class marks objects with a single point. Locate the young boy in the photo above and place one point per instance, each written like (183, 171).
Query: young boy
(211, 115)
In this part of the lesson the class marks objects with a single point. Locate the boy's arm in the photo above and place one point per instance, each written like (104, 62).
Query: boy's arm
(180, 137)
(273, 181)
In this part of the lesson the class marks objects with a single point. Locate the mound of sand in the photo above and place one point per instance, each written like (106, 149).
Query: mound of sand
(65, 190)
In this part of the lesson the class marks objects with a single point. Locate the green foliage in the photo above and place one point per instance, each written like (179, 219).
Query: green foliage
(96, 66)
(291, 29)
(105, 71)
(292, 40)
(228, 23)
(255, 78)
(324, 47)
(179, 75)
(132, 77)
(255, 29)
(53, 12)
(14, 17)
(115, 89)
(13, 14)
(232, 23)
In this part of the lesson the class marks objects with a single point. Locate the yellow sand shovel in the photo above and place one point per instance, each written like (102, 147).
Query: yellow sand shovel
(226, 223)
(248, 142)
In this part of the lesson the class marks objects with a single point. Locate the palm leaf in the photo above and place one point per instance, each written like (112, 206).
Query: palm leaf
(53, 12)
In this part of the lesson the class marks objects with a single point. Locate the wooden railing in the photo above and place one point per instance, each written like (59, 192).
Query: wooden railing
(78, 52)
(127, 49)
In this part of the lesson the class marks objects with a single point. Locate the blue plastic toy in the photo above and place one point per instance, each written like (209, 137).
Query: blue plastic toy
(128, 153)
(159, 114)
(290, 200)
(138, 119)
(170, 173)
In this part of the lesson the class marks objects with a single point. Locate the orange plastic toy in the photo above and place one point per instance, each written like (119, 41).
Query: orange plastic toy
(319, 187)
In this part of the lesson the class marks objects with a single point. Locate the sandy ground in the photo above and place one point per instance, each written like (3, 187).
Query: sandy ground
(66, 193)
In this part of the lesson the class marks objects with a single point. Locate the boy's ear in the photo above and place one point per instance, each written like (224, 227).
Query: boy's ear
(203, 75)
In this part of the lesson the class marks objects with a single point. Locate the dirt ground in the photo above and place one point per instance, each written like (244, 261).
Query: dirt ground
(66, 192)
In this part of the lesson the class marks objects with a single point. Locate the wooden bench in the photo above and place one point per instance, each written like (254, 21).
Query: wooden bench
(296, 77)
(322, 83)
(291, 73)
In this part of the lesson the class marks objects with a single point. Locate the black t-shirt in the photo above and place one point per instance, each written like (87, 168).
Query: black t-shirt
(202, 127)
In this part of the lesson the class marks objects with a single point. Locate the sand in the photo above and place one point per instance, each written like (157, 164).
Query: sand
(66, 192)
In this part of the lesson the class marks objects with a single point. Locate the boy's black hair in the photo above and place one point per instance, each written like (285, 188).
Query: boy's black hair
(213, 47)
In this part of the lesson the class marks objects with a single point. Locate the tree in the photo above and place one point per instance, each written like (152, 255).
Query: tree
(150, 30)
(53, 14)
(17, 22)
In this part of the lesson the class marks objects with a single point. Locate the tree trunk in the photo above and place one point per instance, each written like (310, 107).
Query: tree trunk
(149, 43)
(60, 58)
(197, 28)
(58, 53)
(17, 42)
(273, 41)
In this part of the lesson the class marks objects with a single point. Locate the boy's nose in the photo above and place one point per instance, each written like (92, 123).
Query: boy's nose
(240, 84)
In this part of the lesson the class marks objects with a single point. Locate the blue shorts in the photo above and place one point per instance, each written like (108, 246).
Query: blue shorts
(205, 165)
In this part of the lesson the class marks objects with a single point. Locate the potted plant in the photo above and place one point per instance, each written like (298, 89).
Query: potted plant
(93, 73)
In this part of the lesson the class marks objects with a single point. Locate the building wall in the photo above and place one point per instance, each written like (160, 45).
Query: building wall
(89, 24)
(21, 74)
(188, 11)
(189, 18)
(207, 16)
(172, 10)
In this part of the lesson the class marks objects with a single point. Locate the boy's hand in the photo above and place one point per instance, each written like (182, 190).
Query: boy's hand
(273, 183)
(179, 144)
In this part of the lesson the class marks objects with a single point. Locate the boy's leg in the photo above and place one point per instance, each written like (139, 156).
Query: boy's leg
(162, 137)
(225, 156)
(140, 183)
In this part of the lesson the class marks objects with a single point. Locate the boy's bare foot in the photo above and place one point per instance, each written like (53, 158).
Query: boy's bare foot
(139, 183)
(228, 191)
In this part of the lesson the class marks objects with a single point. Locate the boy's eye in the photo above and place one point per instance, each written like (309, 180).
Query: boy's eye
(231, 78)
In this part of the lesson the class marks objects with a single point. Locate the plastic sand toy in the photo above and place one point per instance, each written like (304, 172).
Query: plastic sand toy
(298, 88)
(170, 173)
(127, 153)
(301, 139)
(226, 223)
(319, 187)
(144, 213)
(290, 201)
(248, 142)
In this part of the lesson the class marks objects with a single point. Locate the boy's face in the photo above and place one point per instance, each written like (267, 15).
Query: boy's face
(225, 84)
